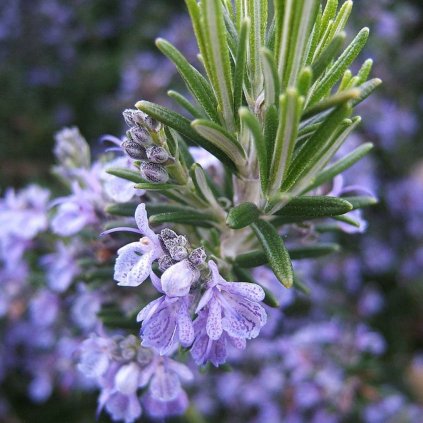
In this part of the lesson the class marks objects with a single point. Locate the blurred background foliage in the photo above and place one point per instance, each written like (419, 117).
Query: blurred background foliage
(82, 62)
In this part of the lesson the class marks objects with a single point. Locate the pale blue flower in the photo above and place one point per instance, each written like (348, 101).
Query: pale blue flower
(134, 261)
(166, 323)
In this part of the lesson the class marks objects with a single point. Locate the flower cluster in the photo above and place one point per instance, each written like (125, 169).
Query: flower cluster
(228, 313)
(139, 145)
(120, 366)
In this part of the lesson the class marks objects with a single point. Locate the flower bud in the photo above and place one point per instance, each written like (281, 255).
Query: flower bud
(197, 256)
(134, 150)
(167, 233)
(154, 172)
(178, 253)
(134, 117)
(152, 124)
(157, 154)
(139, 136)
(165, 262)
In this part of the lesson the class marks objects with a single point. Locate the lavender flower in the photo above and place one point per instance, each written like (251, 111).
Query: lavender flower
(232, 308)
(166, 323)
(134, 261)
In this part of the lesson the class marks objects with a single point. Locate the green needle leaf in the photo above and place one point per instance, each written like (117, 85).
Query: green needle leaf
(336, 71)
(275, 250)
(218, 57)
(127, 174)
(312, 207)
(341, 165)
(241, 57)
(187, 217)
(290, 108)
(221, 139)
(243, 215)
(252, 123)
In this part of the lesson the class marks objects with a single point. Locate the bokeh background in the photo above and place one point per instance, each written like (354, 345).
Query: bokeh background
(82, 62)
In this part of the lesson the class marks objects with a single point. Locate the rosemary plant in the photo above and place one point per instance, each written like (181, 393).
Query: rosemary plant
(274, 105)
(273, 102)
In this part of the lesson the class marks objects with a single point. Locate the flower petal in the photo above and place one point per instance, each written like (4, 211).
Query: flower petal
(142, 221)
(185, 327)
(204, 300)
(127, 378)
(128, 256)
(149, 309)
(165, 385)
(140, 272)
(177, 280)
(159, 331)
(214, 320)
(252, 291)
(244, 318)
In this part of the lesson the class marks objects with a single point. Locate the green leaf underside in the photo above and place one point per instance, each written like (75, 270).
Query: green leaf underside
(311, 207)
(129, 175)
(275, 250)
(242, 215)
(185, 217)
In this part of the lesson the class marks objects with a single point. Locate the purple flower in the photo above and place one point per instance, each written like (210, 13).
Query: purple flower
(205, 349)
(133, 265)
(165, 396)
(75, 212)
(61, 266)
(232, 310)
(122, 407)
(166, 322)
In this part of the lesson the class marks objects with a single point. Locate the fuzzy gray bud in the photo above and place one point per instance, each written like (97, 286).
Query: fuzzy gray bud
(139, 135)
(154, 172)
(167, 234)
(157, 154)
(134, 117)
(197, 256)
(134, 150)
(165, 262)
(178, 253)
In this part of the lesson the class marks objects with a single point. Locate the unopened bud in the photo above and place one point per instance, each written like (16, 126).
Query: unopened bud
(165, 262)
(152, 124)
(197, 256)
(178, 253)
(154, 172)
(157, 154)
(167, 234)
(134, 150)
(134, 117)
(139, 135)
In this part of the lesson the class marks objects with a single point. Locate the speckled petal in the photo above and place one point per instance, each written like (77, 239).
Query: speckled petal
(142, 221)
(252, 291)
(244, 318)
(214, 320)
(140, 272)
(159, 331)
(128, 256)
(185, 327)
